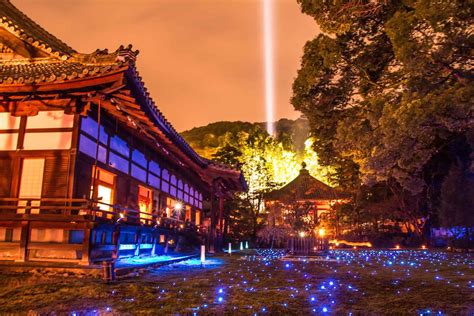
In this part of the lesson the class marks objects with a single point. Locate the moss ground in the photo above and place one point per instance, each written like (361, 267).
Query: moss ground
(357, 282)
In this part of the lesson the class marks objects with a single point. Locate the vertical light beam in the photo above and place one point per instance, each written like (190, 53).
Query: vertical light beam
(268, 64)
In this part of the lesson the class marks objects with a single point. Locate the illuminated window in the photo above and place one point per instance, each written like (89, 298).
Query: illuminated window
(104, 194)
(89, 126)
(104, 189)
(188, 213)
(7, 121)
(172, 210)
(198, 217)
(139, 158)
(173, 188)
(31, 182)
(50, 119)
(117, 162)
(138, 173)
(145, 200)
(165, 176)
(153, 181)
(88, 147)
(9, 126)
(47, 235)
(154, 168)
(8, 141)
(47, 140)
(173, 180)
(165, 187)
(173, 191)
(120, 146)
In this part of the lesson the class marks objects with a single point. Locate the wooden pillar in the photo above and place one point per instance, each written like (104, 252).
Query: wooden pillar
(25, 236)
(138, 241)
(212, 230)
(221, 214)
(72, 157)
(116, 242)
(165, 251)
(155, 239)
(86, 247)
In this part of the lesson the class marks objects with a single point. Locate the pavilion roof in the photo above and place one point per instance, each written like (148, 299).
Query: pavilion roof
(40, 65)
(304, 187)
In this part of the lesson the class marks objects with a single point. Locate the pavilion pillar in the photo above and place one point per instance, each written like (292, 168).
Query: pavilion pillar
(221, 214)
(220, 237)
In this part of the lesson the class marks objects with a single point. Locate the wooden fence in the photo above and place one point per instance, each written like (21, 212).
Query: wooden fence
(306, 245)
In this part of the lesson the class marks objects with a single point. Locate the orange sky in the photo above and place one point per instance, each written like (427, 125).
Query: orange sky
(200, 59)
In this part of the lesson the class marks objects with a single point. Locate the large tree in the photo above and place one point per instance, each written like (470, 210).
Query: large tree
(387, 86)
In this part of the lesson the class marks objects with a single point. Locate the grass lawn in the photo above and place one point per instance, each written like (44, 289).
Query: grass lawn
(358, 282)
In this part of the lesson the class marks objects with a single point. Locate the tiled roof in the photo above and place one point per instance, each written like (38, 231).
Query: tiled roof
(47, 70)
(303, 187)
(19, 24)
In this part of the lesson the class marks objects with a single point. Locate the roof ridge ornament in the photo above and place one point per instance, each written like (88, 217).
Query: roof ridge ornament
(126, 54)
(303, 170)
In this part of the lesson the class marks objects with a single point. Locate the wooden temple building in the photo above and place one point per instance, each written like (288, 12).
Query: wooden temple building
(90, 169)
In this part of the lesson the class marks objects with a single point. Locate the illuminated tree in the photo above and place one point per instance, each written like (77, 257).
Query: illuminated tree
(387, 88)
(387, 85)
(266, 162)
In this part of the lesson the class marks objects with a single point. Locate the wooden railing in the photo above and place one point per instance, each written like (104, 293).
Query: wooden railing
(306, 245)
(90, 209)
(42, 206)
